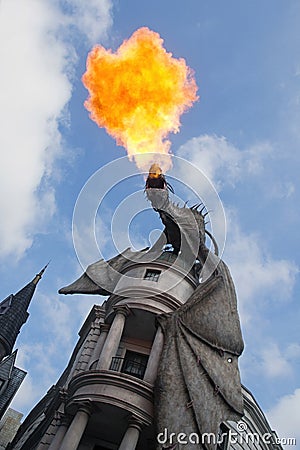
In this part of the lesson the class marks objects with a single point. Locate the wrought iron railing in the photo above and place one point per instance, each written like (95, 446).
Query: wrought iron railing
(116, 364)
(128, 366)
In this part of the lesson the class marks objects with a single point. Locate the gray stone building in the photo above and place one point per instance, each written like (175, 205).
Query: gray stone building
(156, 365)
(13, 314)
(11, 378)
(9, 426)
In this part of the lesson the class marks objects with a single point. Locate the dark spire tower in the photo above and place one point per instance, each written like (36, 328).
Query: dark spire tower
(13, 314)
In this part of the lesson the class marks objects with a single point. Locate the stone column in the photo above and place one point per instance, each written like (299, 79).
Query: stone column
(76, 429)
(154, 357)
(132, 434)
(90, 345)
(104, 328)
(60, 433)
(112, 341)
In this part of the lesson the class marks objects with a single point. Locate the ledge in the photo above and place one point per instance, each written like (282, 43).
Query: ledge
(114, 388)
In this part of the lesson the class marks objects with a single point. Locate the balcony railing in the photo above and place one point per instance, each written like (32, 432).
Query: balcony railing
(128, 366)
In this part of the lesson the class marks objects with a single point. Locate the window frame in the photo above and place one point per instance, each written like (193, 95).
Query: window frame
(152, 275)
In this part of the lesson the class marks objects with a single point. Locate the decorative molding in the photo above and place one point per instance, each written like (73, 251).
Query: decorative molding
(87, 407)
(104, 327)
(63, 395)
(122, 309)
(136, 422)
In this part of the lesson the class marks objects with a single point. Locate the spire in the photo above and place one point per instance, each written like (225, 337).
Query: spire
(40, 274)
(13, 314)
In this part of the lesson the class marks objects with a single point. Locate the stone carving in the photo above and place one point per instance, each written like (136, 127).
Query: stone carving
(198, 384)
(101, 277)
(198, 375)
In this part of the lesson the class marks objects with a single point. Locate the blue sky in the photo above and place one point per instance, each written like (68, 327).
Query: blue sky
(243, 134)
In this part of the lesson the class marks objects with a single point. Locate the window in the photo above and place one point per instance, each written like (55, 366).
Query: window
(152, 275)
(134, 364)
(4, 306)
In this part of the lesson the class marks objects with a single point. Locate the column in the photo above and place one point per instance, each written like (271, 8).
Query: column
(76, 429)
(154, 357)
(90, 345)
(60, 433)
(131, 437)
(112, 341)
(104, 328)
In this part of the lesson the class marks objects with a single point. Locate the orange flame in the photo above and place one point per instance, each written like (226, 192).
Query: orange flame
(138, 95)
(155, 171)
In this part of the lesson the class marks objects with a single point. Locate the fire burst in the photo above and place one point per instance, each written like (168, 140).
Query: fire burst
(138, 95)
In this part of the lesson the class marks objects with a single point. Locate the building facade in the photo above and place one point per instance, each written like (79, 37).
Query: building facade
(155, 366)
(105, 397)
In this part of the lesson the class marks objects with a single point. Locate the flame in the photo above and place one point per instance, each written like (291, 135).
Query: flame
(138, 95)
(155, 171)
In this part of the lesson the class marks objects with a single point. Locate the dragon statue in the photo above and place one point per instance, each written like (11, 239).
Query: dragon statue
(198, 384)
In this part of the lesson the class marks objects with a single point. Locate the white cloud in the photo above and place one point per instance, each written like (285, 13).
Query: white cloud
(84, 303)
(64, 317)
(221, 161)
(59, 319)
(253, 267)
(211, 154)
(281, 190)
(35, 358)
(293, 351)
(35, 89)
(270, 360)
(284, 416)
(274, 363)
(92, 18)
(90, 242)
(258, 277)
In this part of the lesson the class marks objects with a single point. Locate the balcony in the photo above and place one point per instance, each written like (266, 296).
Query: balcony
(108, 387)
(134, 367)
